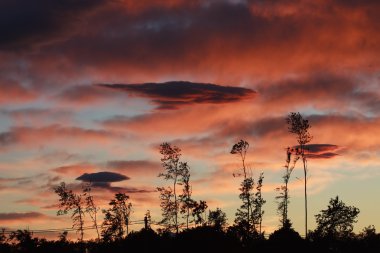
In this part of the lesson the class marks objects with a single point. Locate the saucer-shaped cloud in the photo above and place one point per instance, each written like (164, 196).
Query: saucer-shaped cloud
(171, 95)
(102, 177)
(321, 151)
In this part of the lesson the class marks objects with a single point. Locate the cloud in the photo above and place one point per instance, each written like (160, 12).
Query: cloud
(220, 40)
(171, 95)
(102, 177)
(13, 92)
(102, 180)
(7, 138)
(74, 169)
(27, 23)
(320, 148)
(115, 189)
(4, 217)
(321, 151)
(326, 155)
(38, 136)
(38, 116)
(85, 95)
(41, 181)
(141, 167)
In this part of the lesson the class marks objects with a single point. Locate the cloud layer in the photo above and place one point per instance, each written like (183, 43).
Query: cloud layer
(244, 64)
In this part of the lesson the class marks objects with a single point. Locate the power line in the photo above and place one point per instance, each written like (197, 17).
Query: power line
(54, 230)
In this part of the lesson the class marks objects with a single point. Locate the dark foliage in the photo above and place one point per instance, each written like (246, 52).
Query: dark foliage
(200, 239)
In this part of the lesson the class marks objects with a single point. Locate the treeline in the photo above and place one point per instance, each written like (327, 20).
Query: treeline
(206, 238)
(187, 225)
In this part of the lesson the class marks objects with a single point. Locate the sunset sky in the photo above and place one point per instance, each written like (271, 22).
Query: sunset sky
(96, 86)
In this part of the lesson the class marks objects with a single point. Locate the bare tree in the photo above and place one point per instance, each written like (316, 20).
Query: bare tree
(283, 197)
(174, 170)
(300, 127)
(249, 215)
(187, 203)
(91, 208)
(69, 201)
(243, 215)
(258, 203)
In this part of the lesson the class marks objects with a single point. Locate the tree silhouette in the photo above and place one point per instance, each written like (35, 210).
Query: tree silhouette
(172, 203)
(250, 213)
(283, 197)
(26, 243)
(70, 201)
(174, 171)
(300, 127)
(62, 237)
(258, 203)
(337, 221)
(3, 238)
(168, 208)
(244, 213)
(147, 220)
(187, 203)
(91, 208)
(199, 209)
(116, 218)
(217, 219)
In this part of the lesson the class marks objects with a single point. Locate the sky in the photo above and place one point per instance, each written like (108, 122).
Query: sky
(95, 86)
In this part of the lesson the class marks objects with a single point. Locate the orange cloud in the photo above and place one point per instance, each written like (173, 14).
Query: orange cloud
(75, 169)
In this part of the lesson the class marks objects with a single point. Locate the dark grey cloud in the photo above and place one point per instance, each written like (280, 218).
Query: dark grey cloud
(171, 95)
(26, 22)
(102, 180)
(7, 138)
(210, 40)
(321, 151)
(20, 216)
(317, 148)
(325, 155)
(102, 177)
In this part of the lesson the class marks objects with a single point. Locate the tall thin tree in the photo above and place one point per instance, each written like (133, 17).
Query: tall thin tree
(187, 203)
(240, 149)
(258, 203)
(300, 127)
(245, 219)
(70, 201)
(174, 170)
(283, 198)
(91, 207)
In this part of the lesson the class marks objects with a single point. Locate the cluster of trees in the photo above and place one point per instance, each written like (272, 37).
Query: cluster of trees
(333, 234)
(173, 204)
(185, 219)
(116, 217)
